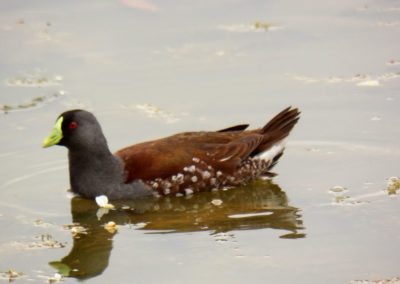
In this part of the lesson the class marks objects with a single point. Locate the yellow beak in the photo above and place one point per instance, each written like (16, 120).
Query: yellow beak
(55, 135)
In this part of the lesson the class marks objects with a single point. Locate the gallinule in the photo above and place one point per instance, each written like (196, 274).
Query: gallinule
(184, 163)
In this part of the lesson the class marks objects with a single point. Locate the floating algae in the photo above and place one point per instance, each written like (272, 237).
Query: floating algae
(34, 80)
(36, 101)
(11, 275)
(393, 185)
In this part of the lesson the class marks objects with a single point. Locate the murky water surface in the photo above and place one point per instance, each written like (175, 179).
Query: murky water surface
(153, 68)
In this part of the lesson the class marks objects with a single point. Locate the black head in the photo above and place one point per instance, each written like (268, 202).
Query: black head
(76, 129)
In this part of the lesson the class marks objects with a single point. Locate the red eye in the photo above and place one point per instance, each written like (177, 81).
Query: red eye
(72, 125)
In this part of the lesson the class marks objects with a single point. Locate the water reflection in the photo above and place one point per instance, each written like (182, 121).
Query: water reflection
(260, 205)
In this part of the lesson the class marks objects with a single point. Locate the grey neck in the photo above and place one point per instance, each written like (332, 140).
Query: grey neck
(94, 172)
(98, 172)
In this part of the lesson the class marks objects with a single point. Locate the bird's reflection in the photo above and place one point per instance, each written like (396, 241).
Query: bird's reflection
(260, 205)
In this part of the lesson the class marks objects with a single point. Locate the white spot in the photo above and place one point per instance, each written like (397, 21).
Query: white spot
(188, 191)
(216, 202)
(213, 181)
(206, 175)
(196, 160)
(194, 179)
(219, 173)
(185, 169)
(155, 185)
(192, 168)
(180, 178)
(179, 194)
(167, 191)
(226, 158)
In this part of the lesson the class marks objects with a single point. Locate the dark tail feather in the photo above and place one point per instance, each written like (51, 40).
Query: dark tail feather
(278, 128)
(239, 127)
(283, 121)
(274, 161)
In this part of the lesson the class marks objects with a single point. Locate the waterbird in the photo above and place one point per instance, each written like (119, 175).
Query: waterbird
(181, 164)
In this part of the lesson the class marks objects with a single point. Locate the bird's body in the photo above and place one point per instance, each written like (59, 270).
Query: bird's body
(184, 163)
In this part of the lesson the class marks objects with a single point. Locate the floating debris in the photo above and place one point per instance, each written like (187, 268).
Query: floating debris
(337, 189)
(102, 201)
(361, 80)
(340, 198)
(395, 280)
(223, 237)
(216, 202)
(312, 149)
(34, 80)
(369, 83)
(36, 101)
(41, 223)
(111, 227)
(376, 118)
(153, 111)
(56, 278)
(11, 275)
(262, 26)
(46, 241)
(77, 230)
(257, 26)
(393, 185)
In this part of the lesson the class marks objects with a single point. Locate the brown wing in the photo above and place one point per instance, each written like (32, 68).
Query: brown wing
(166, 157)
(223, 150)
(230, 155)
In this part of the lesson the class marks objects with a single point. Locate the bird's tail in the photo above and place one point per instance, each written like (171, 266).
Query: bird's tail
(275, 132)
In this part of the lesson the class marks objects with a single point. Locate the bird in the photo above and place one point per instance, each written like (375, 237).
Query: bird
(181, 164)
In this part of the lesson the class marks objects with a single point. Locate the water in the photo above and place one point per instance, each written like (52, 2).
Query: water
(150, 69)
